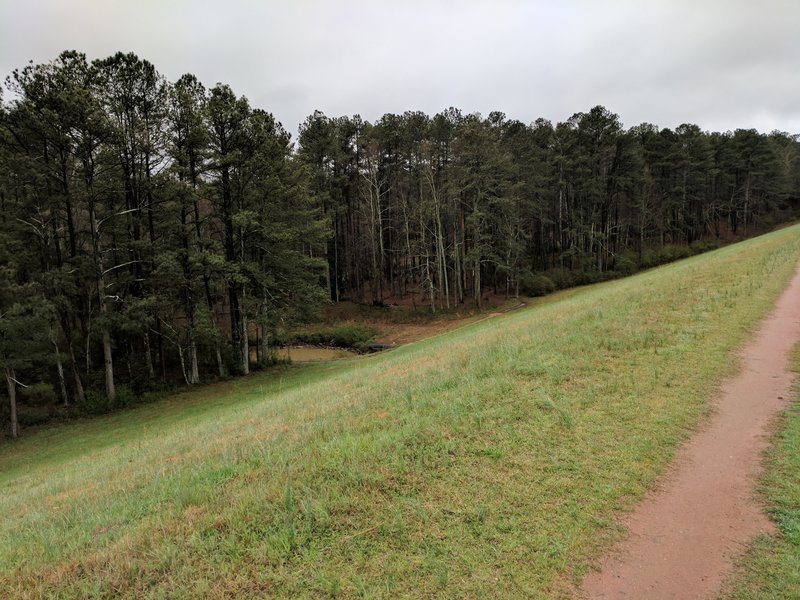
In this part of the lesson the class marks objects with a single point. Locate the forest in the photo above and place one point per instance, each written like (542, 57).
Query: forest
(157, 233)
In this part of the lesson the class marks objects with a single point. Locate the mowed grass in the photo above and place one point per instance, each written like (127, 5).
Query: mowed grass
(771, 566)
(484, 462)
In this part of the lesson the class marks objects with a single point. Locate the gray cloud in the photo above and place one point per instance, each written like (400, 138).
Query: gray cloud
(719, 64)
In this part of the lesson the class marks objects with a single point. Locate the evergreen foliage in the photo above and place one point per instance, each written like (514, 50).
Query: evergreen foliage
(155, 234)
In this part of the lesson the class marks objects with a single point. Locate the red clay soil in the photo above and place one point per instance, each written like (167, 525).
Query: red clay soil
(399, 334)
(683, 537)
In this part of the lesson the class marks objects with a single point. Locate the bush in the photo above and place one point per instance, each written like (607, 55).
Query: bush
(562, 278)
(95, 402)
(279, 337)
(609, 275)
(537, 285)
(39, 393)
(700, 246)
(672, 252)
(626, 264)
(28, 416)
(125, 397)
(588, 277)
(342, 336)
(649, 259)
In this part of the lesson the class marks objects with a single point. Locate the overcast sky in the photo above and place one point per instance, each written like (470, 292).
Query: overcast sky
(720, 64)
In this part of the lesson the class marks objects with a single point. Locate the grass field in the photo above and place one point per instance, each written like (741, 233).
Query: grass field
(487, 461)
(771, 567)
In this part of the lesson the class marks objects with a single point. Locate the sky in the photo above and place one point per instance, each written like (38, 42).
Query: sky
(719, 64)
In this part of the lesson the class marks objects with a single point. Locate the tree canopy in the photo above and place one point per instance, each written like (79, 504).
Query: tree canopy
(155, 231)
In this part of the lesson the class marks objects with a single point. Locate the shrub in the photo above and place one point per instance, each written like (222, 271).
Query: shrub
(39, 393)
(609, 275)
(537, 285)
(279, 337)
(649, 259)
(95, 402)
(125, 397)
(700, 246)
(343, 336)
(562, 278)
(626, 264)
(588, 277)
(672, 252)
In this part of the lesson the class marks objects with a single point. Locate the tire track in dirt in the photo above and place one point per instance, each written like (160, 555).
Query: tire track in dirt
(683, 537)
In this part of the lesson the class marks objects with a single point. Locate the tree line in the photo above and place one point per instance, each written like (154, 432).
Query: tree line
(154, 231)
(447, 206)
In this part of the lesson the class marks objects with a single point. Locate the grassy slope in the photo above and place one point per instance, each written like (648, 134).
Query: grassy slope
(485, 461)
(771, 566)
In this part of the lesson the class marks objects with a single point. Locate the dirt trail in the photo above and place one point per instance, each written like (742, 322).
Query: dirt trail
(683, 536)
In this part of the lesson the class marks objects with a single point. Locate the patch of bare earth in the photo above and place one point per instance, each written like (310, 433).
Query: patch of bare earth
(398, 334)
(683, 537)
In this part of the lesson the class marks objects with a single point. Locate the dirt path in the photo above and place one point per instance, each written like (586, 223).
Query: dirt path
(684, 535)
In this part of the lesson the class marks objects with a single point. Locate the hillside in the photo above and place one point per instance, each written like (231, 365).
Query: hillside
(489, 460)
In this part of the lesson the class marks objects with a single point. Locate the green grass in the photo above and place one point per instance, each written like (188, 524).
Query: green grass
(771, 566)
(488, 461)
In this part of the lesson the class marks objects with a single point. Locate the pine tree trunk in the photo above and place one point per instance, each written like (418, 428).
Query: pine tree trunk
(336, 261)
(244, 337)
(476, 282)
(76, 376)
(233, 305)
(148, 355)
(60, 369)
(217, 350)
(381, 262)
(560, 219)
(442, 259)
(161, 354)
(11, 384)
(108, 359)
(183, 364)
(220, 364)
(264, 332)
(88, 340)
(409, 255)
(194, 374)
(108, 363)
(128, 354)
(458, 268)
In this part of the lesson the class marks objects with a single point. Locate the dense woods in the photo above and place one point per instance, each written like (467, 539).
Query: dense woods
(445, 206)
(155, 232)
